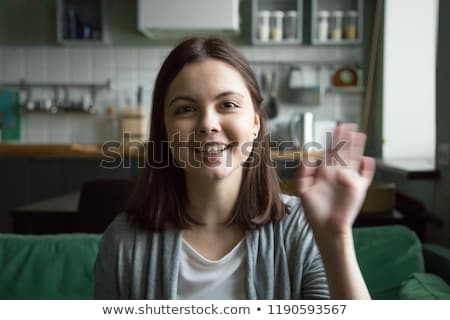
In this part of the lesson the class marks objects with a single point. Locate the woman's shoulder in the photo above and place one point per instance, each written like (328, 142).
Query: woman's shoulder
(294, 221)
(294, 209)
(290, 200)
(121, 232)
(118, 231)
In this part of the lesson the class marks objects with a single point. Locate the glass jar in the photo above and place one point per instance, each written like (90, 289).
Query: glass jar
(350, 24)
(290, 25)
(336, 25)
(276, 25)
(263, 25)
(322, 25)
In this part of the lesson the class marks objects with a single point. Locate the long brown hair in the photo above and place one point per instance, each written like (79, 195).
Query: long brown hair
(160, 193)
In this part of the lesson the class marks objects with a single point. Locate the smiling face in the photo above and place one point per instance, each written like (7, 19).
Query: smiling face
(210, 119)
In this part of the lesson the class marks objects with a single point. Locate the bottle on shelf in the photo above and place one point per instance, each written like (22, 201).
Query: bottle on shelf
(276, 25)
(263, 25)
(290, 25)
(322, 25)
(336, 25)
(350, 23)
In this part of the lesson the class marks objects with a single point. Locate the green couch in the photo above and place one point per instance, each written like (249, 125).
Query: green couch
(61, 266)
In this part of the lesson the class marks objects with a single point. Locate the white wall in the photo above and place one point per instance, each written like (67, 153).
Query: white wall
(409, 80)
(128, 67)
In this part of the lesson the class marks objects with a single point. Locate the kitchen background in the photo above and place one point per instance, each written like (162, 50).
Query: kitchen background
(35, 47)
(130, 67)
(124, 59)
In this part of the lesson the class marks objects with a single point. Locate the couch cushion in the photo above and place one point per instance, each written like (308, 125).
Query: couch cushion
(47, 266)
(437, 260)
(424, 286)
(387, 256)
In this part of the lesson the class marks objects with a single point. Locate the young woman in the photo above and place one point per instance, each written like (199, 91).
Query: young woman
(207, 219)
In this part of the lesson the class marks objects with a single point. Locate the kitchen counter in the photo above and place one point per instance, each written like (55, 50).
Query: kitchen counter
(95, 151)
(57, 150)
(421, 168)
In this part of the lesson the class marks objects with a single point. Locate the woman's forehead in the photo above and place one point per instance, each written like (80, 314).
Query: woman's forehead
(208, 74)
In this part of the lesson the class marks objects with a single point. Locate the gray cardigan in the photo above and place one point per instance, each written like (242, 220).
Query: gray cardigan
(283, 261)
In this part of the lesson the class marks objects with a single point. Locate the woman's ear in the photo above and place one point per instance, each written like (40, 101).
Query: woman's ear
(256, 124)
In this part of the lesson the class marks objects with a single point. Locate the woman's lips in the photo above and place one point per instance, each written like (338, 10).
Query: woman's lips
(214, 156)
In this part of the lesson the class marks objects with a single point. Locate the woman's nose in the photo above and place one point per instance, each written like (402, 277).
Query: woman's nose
(208, 122)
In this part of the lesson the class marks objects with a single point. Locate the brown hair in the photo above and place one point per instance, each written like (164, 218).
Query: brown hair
(160, 193)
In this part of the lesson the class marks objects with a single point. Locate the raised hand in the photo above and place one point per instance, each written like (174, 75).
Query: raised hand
(332, 193)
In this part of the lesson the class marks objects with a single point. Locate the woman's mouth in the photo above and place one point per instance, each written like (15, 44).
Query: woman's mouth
(212, 152)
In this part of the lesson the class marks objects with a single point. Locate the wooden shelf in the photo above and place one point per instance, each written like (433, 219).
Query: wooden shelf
(294, 155)
(85, 150)
(344, 90)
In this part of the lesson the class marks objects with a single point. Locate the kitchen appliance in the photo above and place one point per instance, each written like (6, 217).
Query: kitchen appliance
(301, 129)
(174, 18)
(293, 133)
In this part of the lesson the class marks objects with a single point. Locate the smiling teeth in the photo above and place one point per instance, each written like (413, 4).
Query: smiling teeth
(215, 148)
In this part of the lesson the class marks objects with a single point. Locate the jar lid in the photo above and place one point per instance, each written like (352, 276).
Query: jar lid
(277, 13)
(291, 13)
(337, 14)
(323, 14)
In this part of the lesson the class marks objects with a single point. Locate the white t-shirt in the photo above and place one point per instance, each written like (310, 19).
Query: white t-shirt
(201, 278)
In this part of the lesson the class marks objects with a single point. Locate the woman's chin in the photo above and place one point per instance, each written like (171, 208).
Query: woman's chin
(217, 173)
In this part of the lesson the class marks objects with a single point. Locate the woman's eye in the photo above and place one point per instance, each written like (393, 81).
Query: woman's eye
(230, 105)
(183, 109)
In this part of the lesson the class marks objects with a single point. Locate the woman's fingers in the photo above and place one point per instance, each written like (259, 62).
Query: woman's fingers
(349, 145)
(340, 142)
(306, 177)
(304, 184)
(356, 144)
(367, 169)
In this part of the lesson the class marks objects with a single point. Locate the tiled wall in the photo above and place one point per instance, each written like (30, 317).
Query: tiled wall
(128, 67)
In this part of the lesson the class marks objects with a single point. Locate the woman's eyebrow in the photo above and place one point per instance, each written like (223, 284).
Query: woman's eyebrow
(190, 99)
(227, 93)
(187, 98)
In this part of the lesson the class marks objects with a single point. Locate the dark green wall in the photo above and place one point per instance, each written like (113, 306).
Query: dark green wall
(375, 124)
(33, 22)
(442, 187)
(433, 194)
(27, 22)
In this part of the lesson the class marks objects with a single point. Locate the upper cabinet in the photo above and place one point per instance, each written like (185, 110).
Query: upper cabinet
(277, 22)
(336, 21)
(81, 22)
(174, 18)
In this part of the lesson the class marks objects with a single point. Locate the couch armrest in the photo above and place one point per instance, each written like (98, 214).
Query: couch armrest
(437, 260)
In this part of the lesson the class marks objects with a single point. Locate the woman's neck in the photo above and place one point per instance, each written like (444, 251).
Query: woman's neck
(211, 202)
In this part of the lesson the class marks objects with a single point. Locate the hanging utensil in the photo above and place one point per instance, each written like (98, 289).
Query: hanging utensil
(272, 102)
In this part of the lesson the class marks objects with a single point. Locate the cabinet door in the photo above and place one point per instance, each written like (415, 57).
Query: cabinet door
(81, 22)
(277, 22)
(336, 22)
